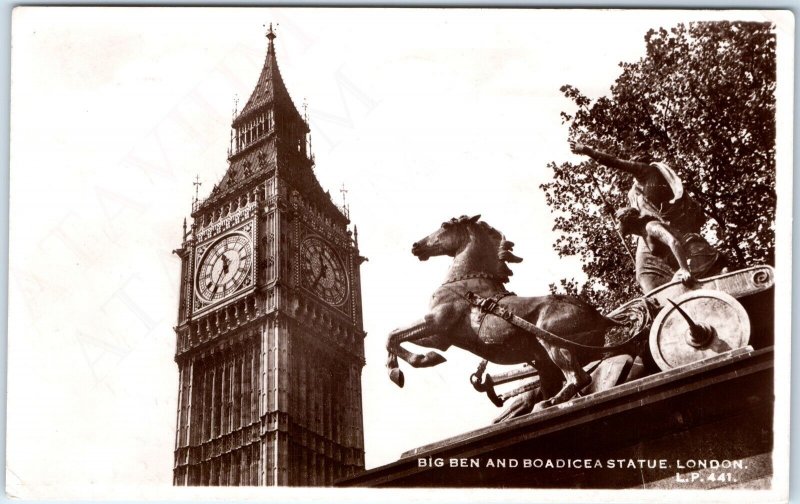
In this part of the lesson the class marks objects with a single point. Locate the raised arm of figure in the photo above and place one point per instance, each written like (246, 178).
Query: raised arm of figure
(640, 171)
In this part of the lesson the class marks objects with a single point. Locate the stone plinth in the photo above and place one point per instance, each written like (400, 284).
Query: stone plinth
(704, 425)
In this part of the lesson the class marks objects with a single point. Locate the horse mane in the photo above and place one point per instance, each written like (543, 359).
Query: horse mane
(504, 248)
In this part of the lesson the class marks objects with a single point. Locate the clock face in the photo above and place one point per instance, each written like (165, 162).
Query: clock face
(322, 271)
(224, 267)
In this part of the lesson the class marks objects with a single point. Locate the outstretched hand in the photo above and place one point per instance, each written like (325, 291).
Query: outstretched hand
(577, 147)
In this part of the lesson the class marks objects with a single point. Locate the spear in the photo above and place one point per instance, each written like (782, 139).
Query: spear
(610, 210)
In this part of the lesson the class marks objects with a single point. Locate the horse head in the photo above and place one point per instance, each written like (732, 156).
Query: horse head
(478, 247)
(451, 237)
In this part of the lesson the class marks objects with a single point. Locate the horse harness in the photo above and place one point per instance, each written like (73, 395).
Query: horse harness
(491, 305)
(492, 301)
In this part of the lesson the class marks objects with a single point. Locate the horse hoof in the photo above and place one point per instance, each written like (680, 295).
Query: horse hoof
(434, 359)
(397, 377)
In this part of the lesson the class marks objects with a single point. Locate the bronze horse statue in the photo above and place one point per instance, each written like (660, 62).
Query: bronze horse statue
(480, 254)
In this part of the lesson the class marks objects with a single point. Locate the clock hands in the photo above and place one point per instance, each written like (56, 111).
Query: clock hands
(224, 271)
(323, 271)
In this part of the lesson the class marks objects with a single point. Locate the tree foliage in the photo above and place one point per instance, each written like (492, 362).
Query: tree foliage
(702, 101)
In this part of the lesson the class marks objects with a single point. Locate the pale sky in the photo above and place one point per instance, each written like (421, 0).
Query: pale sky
(423, 115)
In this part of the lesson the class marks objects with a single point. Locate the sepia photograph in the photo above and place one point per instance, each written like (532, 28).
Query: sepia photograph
(384, 254)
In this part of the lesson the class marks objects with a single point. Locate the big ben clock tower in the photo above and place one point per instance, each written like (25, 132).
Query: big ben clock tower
(270, 340)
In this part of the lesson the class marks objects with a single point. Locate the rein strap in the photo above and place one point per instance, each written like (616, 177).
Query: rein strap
(490, 305)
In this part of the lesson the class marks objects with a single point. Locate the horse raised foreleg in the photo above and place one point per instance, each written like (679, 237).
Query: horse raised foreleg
(394, 370)
(416, 331)
(576, 377)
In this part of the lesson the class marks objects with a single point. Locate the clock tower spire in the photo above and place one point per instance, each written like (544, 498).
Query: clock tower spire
(270, 333)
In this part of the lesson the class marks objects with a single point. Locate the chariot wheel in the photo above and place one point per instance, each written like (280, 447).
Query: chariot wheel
(697, 325)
